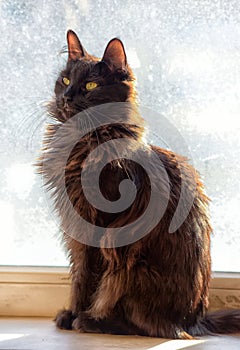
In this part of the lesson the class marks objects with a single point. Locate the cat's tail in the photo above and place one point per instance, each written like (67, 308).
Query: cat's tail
(219, 322)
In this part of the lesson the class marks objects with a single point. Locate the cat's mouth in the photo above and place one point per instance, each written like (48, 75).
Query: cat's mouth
(64, 112)
(68, 111)
(67, 108)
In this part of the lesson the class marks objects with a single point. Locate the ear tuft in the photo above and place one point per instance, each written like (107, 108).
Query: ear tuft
(115, 55)
(75, 48)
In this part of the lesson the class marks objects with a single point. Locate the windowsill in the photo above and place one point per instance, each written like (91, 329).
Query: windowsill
(35, 274)
(55, 275)
(41, 291)
(41, 333)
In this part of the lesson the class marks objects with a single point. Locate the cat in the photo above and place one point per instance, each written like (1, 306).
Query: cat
(158, 284)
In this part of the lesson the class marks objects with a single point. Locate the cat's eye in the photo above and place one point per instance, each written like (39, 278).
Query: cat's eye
(91, 85)
(66, 81)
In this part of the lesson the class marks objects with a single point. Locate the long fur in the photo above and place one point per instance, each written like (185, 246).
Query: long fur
(159, 285)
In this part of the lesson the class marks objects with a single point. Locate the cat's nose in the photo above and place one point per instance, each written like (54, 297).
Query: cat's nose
(67, 95)
(67, 98)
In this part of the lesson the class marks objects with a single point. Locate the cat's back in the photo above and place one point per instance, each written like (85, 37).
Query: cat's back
(181, 174)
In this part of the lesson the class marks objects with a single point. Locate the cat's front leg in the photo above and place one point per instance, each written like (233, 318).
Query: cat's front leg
(115, 324)
(64, 319)
(85, 324)
(110, 290)
(79, 302)
(85, 274)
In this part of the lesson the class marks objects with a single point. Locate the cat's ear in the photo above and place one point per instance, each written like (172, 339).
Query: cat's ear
(75, 48)
(114, 54)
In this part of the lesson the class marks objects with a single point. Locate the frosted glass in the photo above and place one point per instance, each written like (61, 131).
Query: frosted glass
(186, 56)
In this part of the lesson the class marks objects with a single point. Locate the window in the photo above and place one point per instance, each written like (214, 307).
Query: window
(185, 55)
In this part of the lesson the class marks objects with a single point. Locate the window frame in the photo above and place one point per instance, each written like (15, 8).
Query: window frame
(42, 291)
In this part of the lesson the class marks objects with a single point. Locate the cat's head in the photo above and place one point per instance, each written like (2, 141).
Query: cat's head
(88, 81)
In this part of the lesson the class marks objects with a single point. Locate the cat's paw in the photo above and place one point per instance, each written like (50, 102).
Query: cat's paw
(64, 319)
(85, 325)
(185, 335)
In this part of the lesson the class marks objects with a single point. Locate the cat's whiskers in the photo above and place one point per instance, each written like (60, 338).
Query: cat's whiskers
(32, 107)
(41, 122)
(37, 115)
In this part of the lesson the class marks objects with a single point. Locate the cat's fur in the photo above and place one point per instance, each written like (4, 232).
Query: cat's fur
(159, 285)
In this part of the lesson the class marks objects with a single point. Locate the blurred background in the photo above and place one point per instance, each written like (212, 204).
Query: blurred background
(186, 57)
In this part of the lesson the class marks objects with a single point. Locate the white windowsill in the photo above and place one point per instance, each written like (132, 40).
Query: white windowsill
(41, 291)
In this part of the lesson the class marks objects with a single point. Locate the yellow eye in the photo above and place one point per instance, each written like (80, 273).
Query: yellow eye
(91, 85)
(66, 81)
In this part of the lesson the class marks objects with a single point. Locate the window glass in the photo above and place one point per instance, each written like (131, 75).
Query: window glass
(186, 58)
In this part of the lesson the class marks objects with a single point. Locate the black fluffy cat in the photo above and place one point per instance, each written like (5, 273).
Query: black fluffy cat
(158, 285)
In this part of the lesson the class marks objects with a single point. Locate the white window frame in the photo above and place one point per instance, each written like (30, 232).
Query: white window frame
(42, 291)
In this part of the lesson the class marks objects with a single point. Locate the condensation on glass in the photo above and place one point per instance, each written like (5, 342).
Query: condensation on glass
(186, 57)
